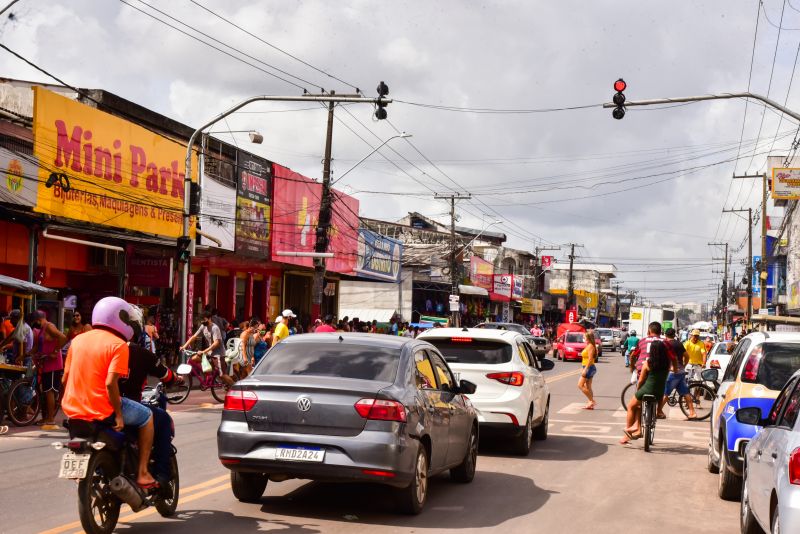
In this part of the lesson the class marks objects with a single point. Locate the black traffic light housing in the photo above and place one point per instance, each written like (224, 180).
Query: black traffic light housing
(619, 99)
(184, 249)
(380, 112)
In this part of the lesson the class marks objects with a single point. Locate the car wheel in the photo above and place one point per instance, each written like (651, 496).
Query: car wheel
(730, 486)
(248, 487)
(711, 465)
(540, 432)
(465, 471)
(522, 442)
(776, 522)
(411, 499)
(747, 522)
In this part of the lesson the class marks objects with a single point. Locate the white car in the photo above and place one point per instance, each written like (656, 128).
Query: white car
(719, 357)
(771, 490)
(512, 397)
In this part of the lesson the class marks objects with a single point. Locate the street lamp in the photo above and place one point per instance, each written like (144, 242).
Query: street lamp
(402, 134)
(255, 137)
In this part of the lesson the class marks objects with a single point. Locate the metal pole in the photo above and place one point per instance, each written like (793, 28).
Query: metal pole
(570, 285)
(749, 266)
(764, 263)
(325, 215)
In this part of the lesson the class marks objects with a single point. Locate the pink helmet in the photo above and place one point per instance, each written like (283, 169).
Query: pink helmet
(118, 315)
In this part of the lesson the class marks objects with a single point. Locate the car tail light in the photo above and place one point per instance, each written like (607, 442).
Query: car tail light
(714, 364)
(750, 372)
(381, 410)
(240, 401)
(512, 379)
(794, 467)
(461, 339)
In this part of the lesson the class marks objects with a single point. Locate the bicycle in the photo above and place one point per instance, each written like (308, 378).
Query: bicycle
(212, 380)
(24, 398)
(648, 420)
(702, 399)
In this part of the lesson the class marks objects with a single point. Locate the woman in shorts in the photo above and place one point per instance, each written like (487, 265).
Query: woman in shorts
(588, 360)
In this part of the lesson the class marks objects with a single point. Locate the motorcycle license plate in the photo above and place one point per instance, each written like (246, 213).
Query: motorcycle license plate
(299, 454)
(74, 465)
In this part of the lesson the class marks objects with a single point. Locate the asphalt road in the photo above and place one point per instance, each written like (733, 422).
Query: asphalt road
(579, 480)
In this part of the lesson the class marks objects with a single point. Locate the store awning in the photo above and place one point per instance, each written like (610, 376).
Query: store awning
(382, 315)
(25, 286)
(472, 290)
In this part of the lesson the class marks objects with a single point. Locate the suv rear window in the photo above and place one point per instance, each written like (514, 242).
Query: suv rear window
(362, 362)
(772, 364)
(575, 338)
(473, 351)
(603, 332)
(511, 327)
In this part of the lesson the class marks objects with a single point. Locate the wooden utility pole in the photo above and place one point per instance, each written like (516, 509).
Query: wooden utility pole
(724, 297)
(749, 270)
(537, 268)
(762, 277)
(455, 315)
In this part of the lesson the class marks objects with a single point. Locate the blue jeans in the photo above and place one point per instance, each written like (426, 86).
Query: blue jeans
(162, 443)
(627, 358)
(134, 413)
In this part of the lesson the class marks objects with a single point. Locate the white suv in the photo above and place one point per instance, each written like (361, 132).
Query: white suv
(512, 396)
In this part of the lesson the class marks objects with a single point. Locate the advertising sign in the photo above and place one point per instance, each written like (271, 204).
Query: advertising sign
(547, 262)
(516, 290)
(218, 213)
(144, 271)
(294, 222)
(785, 184)
(481, 272)
(19, 179)
(378, 256)
(756, 281)
(252, 205)
(532, 306)
(100, 169)
(501, 290)
(571, 316)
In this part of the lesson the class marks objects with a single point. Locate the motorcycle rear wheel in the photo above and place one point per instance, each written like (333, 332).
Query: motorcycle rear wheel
(167, 507)
(98, 507)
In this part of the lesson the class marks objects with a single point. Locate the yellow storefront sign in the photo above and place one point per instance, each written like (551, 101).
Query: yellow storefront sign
(584, 299)
(100, 169)
(533, 306)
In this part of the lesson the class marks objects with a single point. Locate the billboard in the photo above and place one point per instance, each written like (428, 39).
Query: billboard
(785, 183)
(296, 202)
(481, 272)
(218, 213)
(101, 169)
(501, 289)
(378, 256)
(252, 205)
(19, 180)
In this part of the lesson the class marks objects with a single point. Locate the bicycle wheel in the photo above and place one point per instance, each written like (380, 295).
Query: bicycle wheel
(702, 399)
(648, 428)
(627, 393)
(219, 390)
(23, 402)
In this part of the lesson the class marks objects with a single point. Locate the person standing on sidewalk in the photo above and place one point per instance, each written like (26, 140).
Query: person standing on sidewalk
(48, 341)
(588, 360)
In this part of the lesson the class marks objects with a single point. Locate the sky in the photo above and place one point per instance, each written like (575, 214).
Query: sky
(645, 193)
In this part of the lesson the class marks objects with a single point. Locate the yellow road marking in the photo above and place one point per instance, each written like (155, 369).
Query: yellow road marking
(562, 376)
(183, 491)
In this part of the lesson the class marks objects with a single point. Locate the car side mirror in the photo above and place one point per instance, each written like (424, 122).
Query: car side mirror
(750, 416)
(546, 365)
(466, 387)
(710, 375)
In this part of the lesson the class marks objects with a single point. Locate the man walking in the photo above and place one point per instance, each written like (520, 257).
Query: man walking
(696, 350)
(677, 378)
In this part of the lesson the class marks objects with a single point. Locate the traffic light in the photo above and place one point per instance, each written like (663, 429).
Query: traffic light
(383, 90)
(619, 99)
(184, 249)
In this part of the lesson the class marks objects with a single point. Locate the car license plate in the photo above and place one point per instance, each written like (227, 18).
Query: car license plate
(74, 465)
(299, 454)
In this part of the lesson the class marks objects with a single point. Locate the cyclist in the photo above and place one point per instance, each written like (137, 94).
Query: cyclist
(630, 344)
(213, 336)
(677, 378)
(95, 362)
(697, 354)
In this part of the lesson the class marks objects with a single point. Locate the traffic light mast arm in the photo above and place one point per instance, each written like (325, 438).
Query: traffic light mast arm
(722, 96)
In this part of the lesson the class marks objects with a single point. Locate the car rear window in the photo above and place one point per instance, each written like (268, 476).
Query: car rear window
(362, 362)
(510, 327)
(575, 338)
(473, 351)
(601, 332)
(772, 364)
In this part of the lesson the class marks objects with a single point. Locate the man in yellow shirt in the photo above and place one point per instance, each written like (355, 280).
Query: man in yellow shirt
(696, 350)
(282, 326)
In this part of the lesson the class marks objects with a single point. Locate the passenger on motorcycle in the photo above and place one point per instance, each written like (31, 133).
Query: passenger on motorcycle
(677, 377)
(96, 360)
(630, 344)
(143, 363)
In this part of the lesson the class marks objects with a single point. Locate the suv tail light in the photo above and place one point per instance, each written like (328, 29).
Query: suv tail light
(240, 401)
(750, 372)
(794, 467)
(512, 379)
(381, 410)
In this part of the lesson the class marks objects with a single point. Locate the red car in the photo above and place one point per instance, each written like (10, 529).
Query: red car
(569, 346)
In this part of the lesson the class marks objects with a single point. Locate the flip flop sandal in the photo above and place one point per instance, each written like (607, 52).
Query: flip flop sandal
(589, 407)
(636, 436)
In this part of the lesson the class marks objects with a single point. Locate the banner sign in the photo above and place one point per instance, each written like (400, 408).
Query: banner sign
(149, 272)
(101, 169)
(526, 306)
(785, 184)
(218, 213)
(481, 272)
(19, 180)
(571, 316)
(517, 289)
(252, 205)
(295, 213)
(501, 290)
(378, 256)
(547, 262)
(756, 281)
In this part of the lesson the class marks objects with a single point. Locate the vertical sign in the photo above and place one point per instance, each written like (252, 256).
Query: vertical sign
(756, 281)
(572, 316)
(547, 262)
(190, 299)
(252, 205)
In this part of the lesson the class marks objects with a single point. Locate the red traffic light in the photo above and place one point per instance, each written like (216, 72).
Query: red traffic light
(620, 85)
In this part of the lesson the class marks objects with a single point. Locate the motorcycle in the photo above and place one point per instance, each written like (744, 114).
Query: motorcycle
(104, 464)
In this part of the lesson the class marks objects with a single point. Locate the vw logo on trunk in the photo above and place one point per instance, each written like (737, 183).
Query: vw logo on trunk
(303, 404)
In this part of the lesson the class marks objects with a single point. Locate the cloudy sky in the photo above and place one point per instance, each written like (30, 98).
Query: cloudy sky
(644, 193)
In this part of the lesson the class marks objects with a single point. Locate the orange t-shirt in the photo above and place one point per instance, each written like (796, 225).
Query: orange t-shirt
(7, 328)
(91, 357)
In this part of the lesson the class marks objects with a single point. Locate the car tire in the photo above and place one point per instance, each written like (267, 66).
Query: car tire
(730, 486)
(465, 471)
(248, 487)
(522, 443)
(540, 432)
(411, 499)
(712, 467)
(747, 521)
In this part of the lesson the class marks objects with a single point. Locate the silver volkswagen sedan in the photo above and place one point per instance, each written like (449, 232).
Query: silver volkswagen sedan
(347, 407)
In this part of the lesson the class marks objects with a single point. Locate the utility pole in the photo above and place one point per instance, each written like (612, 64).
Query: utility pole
(617, 317)
(537, 268)
(764, 263)
(571, 282)
(749, 269)
(724, 299)
(455, 315)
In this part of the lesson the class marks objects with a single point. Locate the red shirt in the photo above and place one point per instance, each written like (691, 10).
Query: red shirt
(642, 350)
(324, 328)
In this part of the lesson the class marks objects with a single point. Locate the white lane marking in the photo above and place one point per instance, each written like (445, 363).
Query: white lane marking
(605, 429)
(620, 412)
(660, 426)
(694, 444)
(573, 408)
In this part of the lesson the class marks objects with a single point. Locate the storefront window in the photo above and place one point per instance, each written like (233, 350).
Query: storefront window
(241, 283)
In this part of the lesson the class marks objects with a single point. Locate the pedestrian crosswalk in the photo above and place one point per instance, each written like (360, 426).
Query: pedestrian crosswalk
(672, 412)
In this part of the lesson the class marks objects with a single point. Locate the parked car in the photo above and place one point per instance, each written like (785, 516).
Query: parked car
(606, 338)
(512, 396)
(759, 368)
(541, 347)
(348, 407)
(719, 357)
(569, 346)
(771, 487)
(514, 327)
